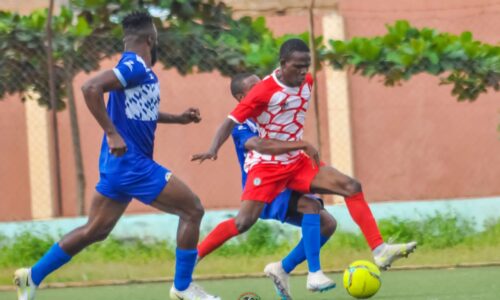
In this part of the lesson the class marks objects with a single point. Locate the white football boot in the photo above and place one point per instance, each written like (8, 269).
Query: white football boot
(25, 286)
(280, 278)
(193, 292)
(319, 282)
(388, 253)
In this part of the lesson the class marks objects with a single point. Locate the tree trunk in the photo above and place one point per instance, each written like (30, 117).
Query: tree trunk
(75, 137)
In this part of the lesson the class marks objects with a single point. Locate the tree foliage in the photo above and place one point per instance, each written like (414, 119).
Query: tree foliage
(203, 36)
(194, 35)
(24, 63)
(470, 66)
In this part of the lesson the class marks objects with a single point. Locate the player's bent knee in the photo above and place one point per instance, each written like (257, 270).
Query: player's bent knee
(93, 234)
(244, 223)
(309, 206)
(198, 209)
(331, 227)
(328, 225)
(195, 212)
(352, 187)
(315, 207)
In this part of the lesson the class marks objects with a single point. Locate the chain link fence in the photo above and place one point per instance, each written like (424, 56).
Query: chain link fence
(367, 129)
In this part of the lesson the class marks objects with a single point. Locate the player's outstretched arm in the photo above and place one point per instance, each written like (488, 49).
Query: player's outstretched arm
(220, 137)
(276, 147)
(189, 116)
(93, 92)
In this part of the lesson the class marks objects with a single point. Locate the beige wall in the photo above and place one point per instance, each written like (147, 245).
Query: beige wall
(26, 6)
(416, 141)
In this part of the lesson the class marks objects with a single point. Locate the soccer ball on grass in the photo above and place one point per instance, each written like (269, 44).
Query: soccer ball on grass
(362, 279)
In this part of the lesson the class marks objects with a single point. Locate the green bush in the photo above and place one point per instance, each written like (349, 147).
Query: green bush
(470, 66)
(25, 249)
(438, 231)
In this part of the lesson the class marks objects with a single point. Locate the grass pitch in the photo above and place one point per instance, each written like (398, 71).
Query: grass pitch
(456, 284)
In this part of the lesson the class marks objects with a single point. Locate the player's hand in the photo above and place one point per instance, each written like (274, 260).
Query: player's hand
(313, 153)
(192, 114)
(204, 156)
(116, 144)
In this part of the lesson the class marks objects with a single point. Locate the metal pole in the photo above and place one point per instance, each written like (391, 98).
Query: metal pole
(314, 62)
(56, 163)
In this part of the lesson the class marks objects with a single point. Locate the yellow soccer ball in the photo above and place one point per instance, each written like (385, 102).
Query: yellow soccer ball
(362, 279)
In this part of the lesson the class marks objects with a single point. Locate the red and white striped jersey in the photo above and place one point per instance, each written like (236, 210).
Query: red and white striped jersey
(280, 112)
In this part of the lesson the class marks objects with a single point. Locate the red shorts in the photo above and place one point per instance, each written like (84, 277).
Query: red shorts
(266, 181)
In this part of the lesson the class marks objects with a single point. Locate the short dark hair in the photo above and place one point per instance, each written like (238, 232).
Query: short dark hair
(292, 45)
(237, 83)
(136, 23)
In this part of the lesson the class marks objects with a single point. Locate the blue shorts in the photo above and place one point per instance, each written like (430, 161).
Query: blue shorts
(144, 184)
(284, 208)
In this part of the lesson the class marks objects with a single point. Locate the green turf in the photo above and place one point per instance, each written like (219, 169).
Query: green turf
(456, 284)
(218, 265)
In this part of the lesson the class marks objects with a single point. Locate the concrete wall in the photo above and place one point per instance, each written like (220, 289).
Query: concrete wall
(14, 169)
(411, 142)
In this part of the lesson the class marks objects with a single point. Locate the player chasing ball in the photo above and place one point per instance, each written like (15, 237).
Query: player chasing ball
(289, 206)
(126, 167)
(280, 160)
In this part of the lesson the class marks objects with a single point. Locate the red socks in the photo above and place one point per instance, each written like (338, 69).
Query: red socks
(218, 236)
(356, 204)
(362, 215)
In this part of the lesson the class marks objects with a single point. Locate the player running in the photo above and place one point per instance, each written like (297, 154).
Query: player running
(279, 104)
(288, 207)
(126, 167)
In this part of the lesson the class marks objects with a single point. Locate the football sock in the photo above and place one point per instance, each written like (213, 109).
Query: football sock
(185, 260)
(298, 255)
(379, 249)
(51, 261)
(218, 236)
(311, 240)
(362, 215)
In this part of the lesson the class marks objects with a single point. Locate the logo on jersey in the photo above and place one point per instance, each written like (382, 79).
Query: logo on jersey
(129, 64)
(167, 176)
(142, 102)
(257, 181)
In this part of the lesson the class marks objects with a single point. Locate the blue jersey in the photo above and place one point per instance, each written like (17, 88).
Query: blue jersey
(134, 112)
(241, 134)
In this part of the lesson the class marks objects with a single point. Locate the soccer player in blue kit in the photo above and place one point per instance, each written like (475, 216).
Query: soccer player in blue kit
(126, 165)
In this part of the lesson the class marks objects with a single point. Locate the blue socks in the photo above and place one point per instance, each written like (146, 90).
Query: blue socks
(56, 258)
(298, 255)
(51, 261)
(185, 260)
(308, 247)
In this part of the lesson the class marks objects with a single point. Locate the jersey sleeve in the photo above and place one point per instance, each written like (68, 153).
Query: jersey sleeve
(130, 71)
(251, 106)
(241, 134)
